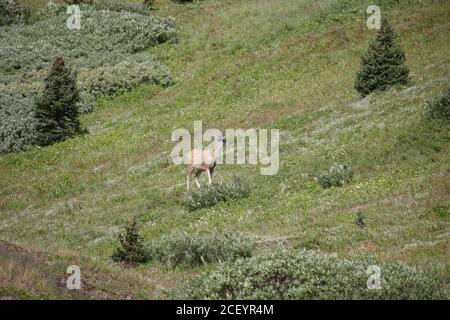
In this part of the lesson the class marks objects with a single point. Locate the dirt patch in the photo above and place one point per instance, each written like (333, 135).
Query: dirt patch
(26, 274)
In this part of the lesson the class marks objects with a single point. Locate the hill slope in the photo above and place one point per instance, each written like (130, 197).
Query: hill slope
(288, 65)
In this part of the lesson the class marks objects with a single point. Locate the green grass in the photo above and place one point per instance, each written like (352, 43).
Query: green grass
(245, 64)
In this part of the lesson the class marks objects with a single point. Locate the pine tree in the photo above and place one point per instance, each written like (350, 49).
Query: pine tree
(56, 109)
(131, 250)
(384, 63)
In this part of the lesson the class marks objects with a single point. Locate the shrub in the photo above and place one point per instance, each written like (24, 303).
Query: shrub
(439, 107)
(70, 2)
(384, 63)
(17, 123)
(308, 275)
(11, 11)
(86, 103)
(440, 211)
(217, 192)
(148, 3)
(105, 38)
(108, 42)
(336, 176)
(183, 248)
(183, 1)
(56, 112)
(131, 250)
(120, 5)
(115, 79)
(359, 221)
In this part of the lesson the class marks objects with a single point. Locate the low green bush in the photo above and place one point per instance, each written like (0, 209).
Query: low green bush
(336, 176)
(110, 80)
(11, 11)
(86, 103)
(360, 220)
(105, 37)
(71, 2)
(183, 1)
(217, 192)
(184, 248)
(142, 7)
(439, 107)
(440, 211)
(17, 123)
(309, 275)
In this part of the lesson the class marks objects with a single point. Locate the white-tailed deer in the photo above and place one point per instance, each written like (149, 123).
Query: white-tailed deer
(199, 161)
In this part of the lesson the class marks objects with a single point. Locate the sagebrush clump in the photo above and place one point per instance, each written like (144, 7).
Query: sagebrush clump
(336, 176)
(309, 275)
(142, 7)
(383, 65)
(183, 1)
(17, 123)
(56, 109)
(439, 107)
(107, 52)
(217, 192)
(131, 250)
(11, 11)
(190, 249)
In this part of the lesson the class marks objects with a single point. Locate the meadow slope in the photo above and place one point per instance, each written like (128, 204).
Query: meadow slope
(288, 65)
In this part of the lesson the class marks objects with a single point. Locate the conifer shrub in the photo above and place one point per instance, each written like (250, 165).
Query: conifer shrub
(383, 65)
(131, 250)
(56, 111)
(181, 248)
(293, 275)
(338, 175)
(439, 107)
(211, 195)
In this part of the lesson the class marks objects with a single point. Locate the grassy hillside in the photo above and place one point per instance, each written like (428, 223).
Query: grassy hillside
(246, 64)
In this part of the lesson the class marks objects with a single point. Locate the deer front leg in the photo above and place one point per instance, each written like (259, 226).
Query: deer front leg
(188, 181)
(196, 182)
(209, 176)
(197, 174)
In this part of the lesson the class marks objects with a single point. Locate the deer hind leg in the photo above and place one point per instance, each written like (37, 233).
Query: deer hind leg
(197, 174)
(190, 170)
(188, 181)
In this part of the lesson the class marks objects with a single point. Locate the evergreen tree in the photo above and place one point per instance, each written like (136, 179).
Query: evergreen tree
(384, 63)
(56, 109)
(131, 249)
